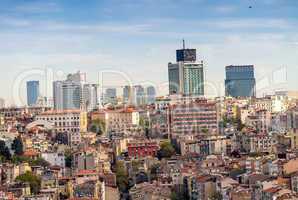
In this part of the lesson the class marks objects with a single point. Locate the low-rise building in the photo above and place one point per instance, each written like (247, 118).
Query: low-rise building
(66, 120)
(118, 120)
(194, 116)
(140, 149)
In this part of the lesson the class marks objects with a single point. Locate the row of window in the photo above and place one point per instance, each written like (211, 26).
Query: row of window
(57, 118)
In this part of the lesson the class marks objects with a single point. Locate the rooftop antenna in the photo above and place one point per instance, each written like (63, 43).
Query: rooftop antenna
(183, 44)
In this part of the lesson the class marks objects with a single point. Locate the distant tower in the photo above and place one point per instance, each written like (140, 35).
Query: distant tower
(74, 93)
(150, 93)
(240, 81)
(128, 94)
(110, 96)
(186, 76)
(32, 92)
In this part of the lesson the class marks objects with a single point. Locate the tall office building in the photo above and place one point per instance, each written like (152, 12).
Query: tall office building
(150, 93)
(186, 77)
(240, 81)
(32, 92)
(139, 94)
(89, 97)
(128, 94)
(74, 93)
(58, 95)
(110, 96)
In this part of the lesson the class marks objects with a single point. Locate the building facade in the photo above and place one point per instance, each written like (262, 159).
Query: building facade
(110, 96)
(74, 93)
(150, 93)
(193, 117)
(186, 77)
(32, 92)
(66, 120)
(118, 121)
(89, 97)
(143, 149)
(240, 81)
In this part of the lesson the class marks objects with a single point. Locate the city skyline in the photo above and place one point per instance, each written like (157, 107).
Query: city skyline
(226, 33)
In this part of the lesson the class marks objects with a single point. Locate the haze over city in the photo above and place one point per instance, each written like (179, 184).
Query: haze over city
(139, 38)
(148, 100)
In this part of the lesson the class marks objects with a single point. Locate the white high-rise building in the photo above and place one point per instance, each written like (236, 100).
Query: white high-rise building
(89, 97)
(186, 77)
(74, 93)
(58, 95)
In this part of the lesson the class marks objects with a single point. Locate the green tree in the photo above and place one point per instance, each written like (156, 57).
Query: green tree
(4, 151)
(174, 196)
(153, 171)
(33, 180)
(205, 130)
(98, 126)
(17, 146)
(39, 162)
(122, 176)
(216, 196)
(135, 165)
(166, 150)
(19, 159)
(68, 160)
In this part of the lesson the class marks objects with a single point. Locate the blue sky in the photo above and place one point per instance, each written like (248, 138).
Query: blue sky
(139, 38)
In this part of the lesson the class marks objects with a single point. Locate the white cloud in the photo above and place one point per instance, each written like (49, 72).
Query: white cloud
(38, 7)
(249, 23)
(225, 9)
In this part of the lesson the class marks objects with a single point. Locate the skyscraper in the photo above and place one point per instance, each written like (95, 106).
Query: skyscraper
(150, 93)
(240, 81)
(110, 96)
(71, 92)
(128, 94)
(186, 77)
(32, 92)
(58, 95)
(89, 96)
(139, 92)
(67, 95)
(74, 93)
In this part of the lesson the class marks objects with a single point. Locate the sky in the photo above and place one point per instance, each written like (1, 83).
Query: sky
(133, 41)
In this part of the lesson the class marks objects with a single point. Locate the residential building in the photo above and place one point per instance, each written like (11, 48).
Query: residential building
(260, 120)
(54, 158)
(66, 120)
(206, 145)
(202, 187)
(141, 149)
(258, 142)
(195, 116)
(118, 120)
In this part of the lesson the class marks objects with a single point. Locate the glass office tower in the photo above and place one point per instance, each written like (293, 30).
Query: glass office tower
(32, 92)
(186, 77)
(240, 81)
